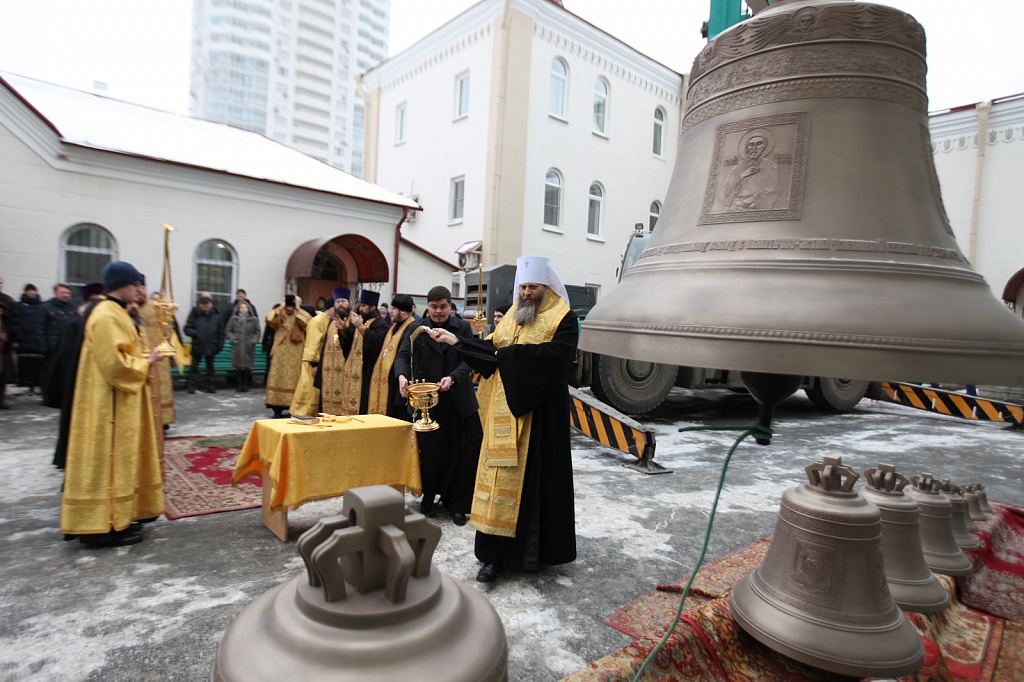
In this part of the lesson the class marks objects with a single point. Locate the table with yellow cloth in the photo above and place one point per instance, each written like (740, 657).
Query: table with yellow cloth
(300, 463)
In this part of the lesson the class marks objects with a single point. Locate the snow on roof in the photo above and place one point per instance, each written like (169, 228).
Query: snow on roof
(99, 122)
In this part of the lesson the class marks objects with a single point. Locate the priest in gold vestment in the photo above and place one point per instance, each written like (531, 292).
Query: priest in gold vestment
(307, 399)
(289, 322)
(385, 397)
(361, 342)
(331, 377)
(523, 502)
(113, 465)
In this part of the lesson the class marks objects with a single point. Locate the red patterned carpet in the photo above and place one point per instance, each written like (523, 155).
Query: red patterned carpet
(197, 477)
(979, 637)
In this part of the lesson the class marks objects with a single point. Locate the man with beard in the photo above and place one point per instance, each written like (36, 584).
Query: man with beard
(330, 379)
(321, 333)
(385, 398)
(361, 341)
(113, 463)
(523, 504)
(448, 454)
(289, 322)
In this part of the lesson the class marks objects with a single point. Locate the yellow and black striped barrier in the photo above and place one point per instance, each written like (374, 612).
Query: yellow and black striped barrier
(952, 403)
(611, 428)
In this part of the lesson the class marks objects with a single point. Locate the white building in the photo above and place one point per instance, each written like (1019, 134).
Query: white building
(980, 187)
(287, 68)
(522, 129)
(85, 179)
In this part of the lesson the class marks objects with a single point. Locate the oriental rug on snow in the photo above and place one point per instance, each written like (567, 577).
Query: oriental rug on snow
(978, 637)
(197, 477)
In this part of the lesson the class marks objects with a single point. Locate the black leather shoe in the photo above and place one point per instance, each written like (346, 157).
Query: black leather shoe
(458, 519)
(427, 507)
(112, 539)
(488, 574)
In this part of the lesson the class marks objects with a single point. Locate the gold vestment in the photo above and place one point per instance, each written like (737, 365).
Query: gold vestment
(502, 465)
(113, 465)
(286, 355)
(307, 396)
(381, 378)
(332, 374)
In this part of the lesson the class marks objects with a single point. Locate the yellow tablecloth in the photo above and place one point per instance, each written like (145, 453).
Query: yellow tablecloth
(305, 463)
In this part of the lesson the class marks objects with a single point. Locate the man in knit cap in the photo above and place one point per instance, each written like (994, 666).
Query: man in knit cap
(361, 344)
(385, 398)
(113, 464)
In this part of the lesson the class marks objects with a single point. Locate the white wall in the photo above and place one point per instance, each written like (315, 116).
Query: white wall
(1000, 244)
(39, 203)
(438, 146)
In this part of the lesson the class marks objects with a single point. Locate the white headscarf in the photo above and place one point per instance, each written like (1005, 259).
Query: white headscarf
(538, 270)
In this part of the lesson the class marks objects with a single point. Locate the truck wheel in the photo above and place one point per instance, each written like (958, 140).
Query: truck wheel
(836, 395)
(631, 386)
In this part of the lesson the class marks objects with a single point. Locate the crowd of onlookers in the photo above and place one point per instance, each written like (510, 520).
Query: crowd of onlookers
(30, 329)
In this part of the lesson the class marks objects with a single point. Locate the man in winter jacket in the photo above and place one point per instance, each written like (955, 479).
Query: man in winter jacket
(59, 311)
(205, 326)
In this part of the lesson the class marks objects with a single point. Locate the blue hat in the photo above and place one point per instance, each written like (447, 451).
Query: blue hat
(117, 274)
(342, 292)
(367, 297)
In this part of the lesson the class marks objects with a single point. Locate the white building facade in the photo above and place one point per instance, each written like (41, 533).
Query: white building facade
(522, 129)
(85, 180)
(980, 184)
(287, 68)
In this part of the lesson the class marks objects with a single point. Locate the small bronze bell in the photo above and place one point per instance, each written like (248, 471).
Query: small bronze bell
(961, 525)
(912, 584)
(820, 595)
(941, 552)
(974, 510)
(979, 490)
(402, 619)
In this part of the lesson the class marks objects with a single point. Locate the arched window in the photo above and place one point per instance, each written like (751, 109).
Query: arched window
(216, 271)
(601, 106)
(596, 211)
(559, 88)
(655, 214)
(553, 199)
(659, 131)
(86, 248)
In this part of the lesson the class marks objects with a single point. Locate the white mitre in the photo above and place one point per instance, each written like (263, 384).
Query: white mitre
(539, 270)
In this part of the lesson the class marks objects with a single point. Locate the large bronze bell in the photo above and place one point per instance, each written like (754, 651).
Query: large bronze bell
(912, 584)
(370, 606)
(941, 552)
(820, 595)
(803, 231)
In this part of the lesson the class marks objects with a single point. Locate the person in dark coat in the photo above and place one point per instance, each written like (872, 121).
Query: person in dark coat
(62, 380)
(60, 311)
(448, 455)
(243, 331)
(8, 339)
(205, 326)
(525, 364)
(31, 341)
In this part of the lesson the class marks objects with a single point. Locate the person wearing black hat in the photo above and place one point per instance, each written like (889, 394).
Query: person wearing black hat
(329, 377)
(449, 454)
(288, 321)
(206, 326)
(31, 341)
(385, 398)
(306, 399)
(113, 464)
(362, 344)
